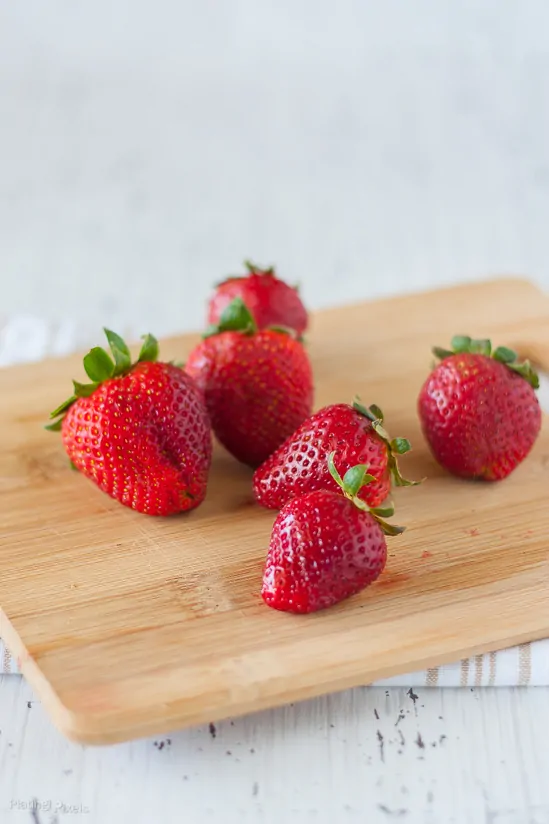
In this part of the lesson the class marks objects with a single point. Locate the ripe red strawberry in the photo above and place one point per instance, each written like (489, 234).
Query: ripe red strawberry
(325, 546)
(357, 434)
(271, 301)
(139, 431)
(479, 412)
(258, 385)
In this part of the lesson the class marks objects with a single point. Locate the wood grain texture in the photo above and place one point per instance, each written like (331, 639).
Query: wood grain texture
(128, 625)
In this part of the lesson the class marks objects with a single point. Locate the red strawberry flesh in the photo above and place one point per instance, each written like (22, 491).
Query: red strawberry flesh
(144, 439)
(258, 387)
(480, 417)
(323, 549)
(271, 301)
(140, 431)
(299, 465)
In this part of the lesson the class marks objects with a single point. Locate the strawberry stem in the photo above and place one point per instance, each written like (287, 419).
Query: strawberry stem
(462, 344)
(354, 479)
(397, 446)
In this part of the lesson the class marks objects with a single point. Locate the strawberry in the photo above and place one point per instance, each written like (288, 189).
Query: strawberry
(271, 301)
(257, 384)
(356, 432)
(326, 546)
(140, 431)
(478, 410)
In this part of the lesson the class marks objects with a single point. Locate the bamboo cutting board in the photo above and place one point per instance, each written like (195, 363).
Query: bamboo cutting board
(128, 625)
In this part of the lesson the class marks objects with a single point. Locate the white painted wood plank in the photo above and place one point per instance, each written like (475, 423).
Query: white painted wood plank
(452, 756)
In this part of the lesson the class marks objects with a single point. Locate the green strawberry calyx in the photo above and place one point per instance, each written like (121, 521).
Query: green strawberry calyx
(395, 446)
(253, 269)
(464, 344)
(101, 365)
(352, 482)
(236, 317)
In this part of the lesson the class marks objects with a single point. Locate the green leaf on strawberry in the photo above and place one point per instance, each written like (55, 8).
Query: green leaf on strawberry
(99, 366)
(351, 484)
(271, 301)
(396, 446)
(400, 445)
(258, 270)
(121, 353)
(84, 390)
(149, 349)
(462, 344)
(505, 355)
(55, 426)
(236, 317)
(285, 330)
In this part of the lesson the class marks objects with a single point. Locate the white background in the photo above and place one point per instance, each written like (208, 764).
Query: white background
(366, 148)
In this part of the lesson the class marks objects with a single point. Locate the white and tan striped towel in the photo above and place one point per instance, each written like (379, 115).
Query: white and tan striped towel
(28, 339)
(526, 665)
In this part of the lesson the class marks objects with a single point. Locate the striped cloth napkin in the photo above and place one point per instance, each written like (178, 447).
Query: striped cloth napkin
(26, 338)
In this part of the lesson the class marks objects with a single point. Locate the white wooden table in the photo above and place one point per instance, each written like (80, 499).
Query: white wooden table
(366, 755)
(367, 148)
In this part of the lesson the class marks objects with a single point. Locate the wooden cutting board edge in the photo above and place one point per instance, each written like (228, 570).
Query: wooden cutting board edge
(84, 729)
